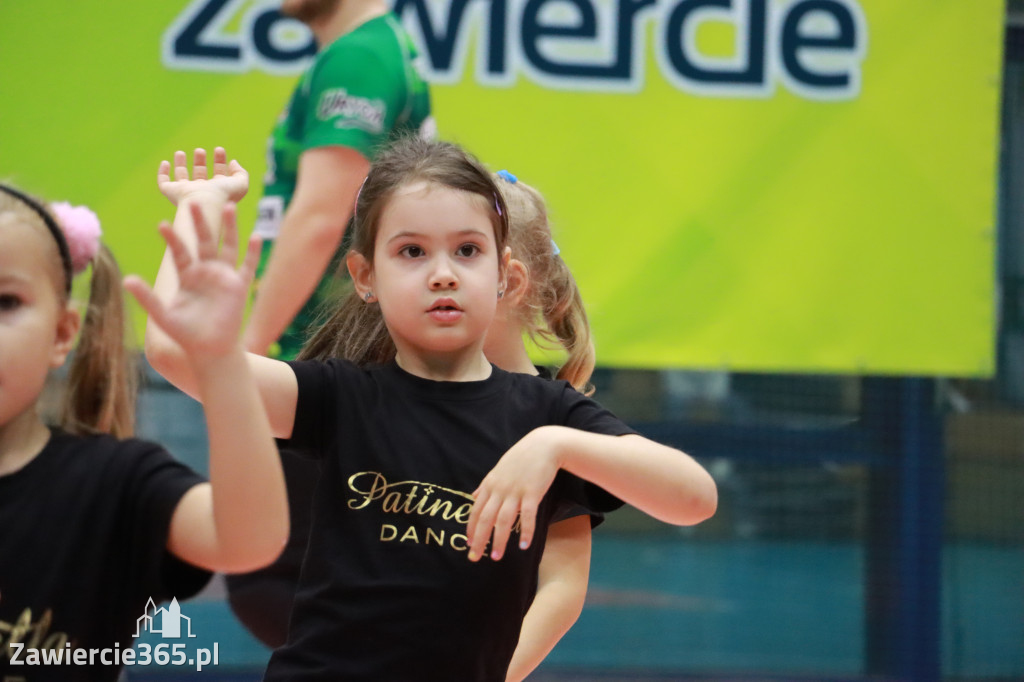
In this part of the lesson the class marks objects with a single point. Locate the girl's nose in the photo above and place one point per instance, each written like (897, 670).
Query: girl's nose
(443, 277)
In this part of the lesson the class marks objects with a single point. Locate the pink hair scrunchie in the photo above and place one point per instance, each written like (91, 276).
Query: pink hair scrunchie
(81, 230)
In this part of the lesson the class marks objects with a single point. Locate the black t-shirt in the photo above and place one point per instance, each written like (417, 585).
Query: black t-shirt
(387, 592)
(83, 534)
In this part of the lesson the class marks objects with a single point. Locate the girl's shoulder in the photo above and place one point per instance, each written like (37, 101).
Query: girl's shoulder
(87, 472)
(90, 455)
(100, 444)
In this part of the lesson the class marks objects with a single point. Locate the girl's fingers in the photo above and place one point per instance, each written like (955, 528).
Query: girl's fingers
(503, 527)
(179, 252)
(474, 516)
(229, 254)
(180, 166)
(147, 298)
(252, 258)
(220, 161)
(199, 164)
(163, 173)
(206, 246)
(527, 522)
(481, 533)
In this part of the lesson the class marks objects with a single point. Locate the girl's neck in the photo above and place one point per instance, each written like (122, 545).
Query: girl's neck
(506, 348)
(21, 439)
(510, 355)
(446, 367)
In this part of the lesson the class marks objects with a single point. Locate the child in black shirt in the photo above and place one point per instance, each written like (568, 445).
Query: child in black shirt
(437, 457)
(95, 524)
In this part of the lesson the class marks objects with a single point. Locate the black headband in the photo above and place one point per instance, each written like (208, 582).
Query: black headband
(58, 234)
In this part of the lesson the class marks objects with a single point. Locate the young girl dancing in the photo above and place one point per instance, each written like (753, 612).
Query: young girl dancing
(95, 523)
(543, 303)
(439, 455)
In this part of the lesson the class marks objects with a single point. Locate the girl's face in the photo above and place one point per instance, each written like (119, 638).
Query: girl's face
(435, 271)
(37, 328)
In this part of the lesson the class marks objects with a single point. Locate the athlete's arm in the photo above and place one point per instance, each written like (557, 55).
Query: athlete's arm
(312, 228)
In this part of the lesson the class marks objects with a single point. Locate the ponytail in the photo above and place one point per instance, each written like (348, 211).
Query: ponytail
(552, 311)
(566, 321)
(102, 381)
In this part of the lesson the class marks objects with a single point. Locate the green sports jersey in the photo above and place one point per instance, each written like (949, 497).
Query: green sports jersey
(361, 90)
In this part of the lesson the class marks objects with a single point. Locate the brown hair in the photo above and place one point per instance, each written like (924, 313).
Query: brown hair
(355, 330)
(552, 310)
(102, 379)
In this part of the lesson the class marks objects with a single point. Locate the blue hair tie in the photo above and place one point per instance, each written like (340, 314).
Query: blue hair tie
(507, 177)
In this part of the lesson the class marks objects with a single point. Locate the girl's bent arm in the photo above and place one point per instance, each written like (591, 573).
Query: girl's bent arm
(664, 482)
(661, 481)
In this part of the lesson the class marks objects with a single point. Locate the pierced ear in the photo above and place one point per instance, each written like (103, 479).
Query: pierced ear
(68, 325)
(361, 272)
(503, 264)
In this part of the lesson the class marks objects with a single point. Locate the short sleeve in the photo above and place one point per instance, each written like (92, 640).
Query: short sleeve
(586, 414)
(155, 484)
(323, 389)
(353, 100)
(570, 510)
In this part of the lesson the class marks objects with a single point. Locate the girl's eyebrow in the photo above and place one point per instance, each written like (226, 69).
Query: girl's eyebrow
(14, 278)
(409, 234)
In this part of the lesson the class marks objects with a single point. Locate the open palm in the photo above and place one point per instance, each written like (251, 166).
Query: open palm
(204, 316)
(229, 180)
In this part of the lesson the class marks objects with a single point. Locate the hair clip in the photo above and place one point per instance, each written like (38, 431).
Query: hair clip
(507, 177)
(554, 248)
(81, 229)
(497, 205)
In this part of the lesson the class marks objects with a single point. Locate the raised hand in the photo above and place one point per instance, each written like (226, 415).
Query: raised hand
(513, 488)
(204, 316)
(229, 180)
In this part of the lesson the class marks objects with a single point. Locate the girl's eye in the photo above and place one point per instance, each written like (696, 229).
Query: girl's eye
(412, 251)
(468, 250)
(9, 302)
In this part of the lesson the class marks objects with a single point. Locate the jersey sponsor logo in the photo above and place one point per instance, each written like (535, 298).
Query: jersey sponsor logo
(351, 111)
(270, 212)
(812, 48)
(426, 503)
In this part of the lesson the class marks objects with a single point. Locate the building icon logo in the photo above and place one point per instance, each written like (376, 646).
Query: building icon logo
(165, 622)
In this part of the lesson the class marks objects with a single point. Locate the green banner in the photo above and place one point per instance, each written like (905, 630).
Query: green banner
(753, 185)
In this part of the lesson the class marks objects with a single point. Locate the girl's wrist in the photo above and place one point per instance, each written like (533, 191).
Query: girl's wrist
(207, 362)
(203, 196)
(557, 444)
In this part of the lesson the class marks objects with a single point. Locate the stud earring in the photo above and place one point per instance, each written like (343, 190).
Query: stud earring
(368, 295)
(501, 293)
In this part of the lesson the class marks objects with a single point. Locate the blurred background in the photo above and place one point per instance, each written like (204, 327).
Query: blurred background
(804, 263)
